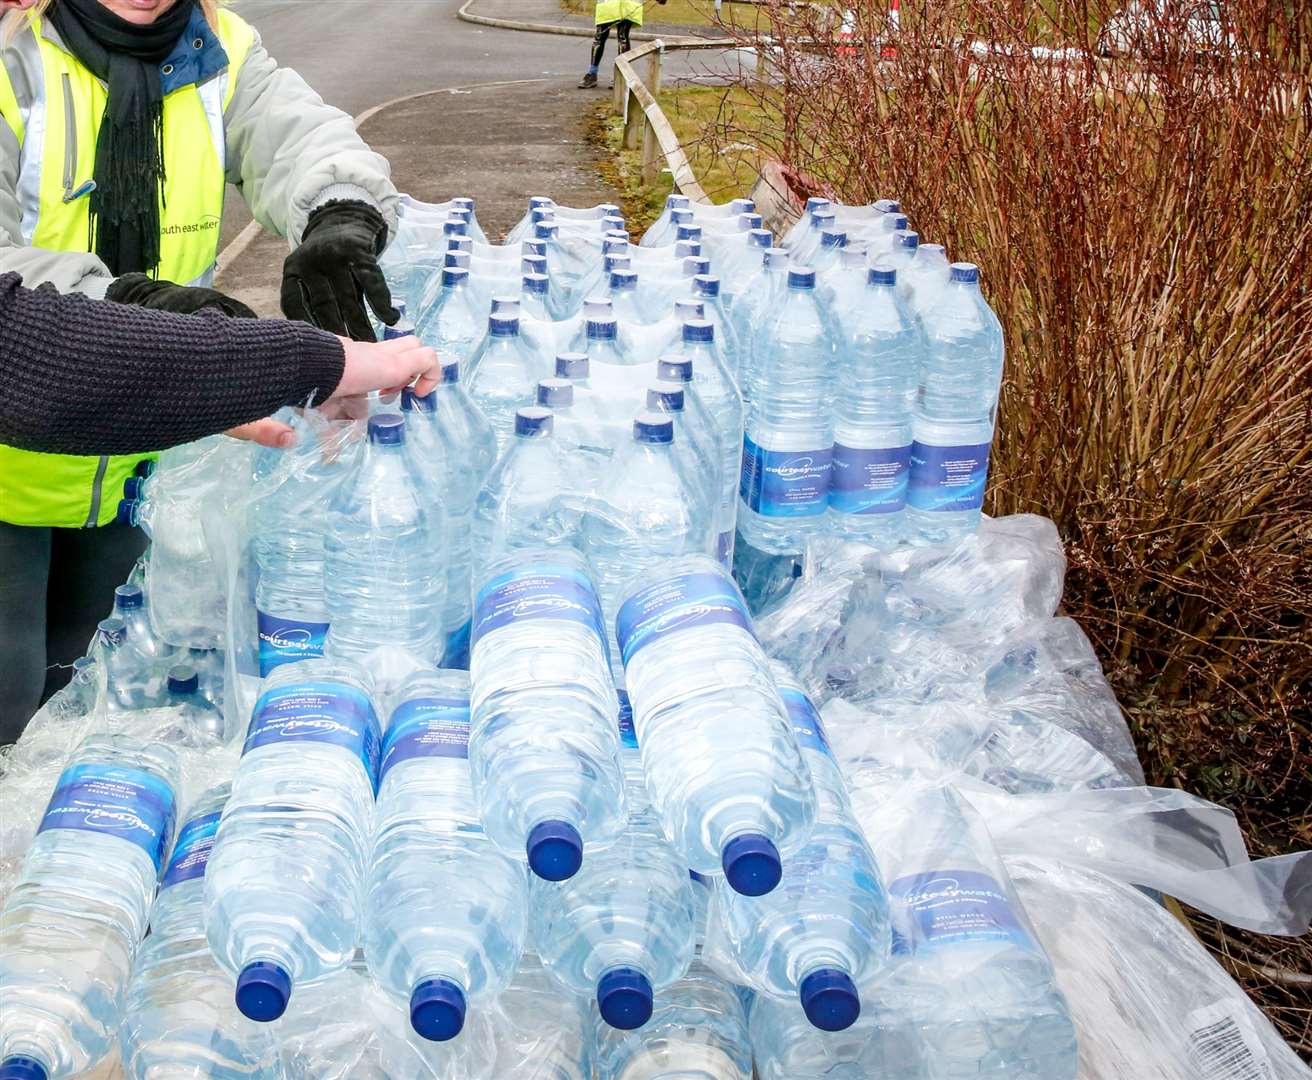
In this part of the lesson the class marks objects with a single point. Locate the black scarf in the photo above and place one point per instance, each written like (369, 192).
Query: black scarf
(129, 171)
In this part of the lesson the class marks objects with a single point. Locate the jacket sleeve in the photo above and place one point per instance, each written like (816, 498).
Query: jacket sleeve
(289, 152)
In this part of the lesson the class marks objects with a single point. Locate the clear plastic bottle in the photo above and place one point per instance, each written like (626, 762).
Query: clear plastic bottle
(622, 928)
(706, 290)
(543, 749)
(70, 928)
(503, 374)
(924, 278)
(130, 606)
(284, 884)
(844, 286)
(755, 300)
(788, 445)
(179, 1018)
(879, 365)
(695, 445)
(201, 718)
(446, 910)
(658, 233)
(447, 319)
(833, 242)
(702, 692)
(738, 266)
(627, 300)
(541, 1031)
(384, 581)
(128, 682)
(824, 932)
(803, 225)
(955, 410)
(573, 331)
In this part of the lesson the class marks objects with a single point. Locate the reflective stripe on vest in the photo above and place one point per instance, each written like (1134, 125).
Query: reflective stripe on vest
(58, 130)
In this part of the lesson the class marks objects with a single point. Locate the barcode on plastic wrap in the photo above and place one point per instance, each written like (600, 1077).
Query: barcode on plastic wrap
(1223, 1045)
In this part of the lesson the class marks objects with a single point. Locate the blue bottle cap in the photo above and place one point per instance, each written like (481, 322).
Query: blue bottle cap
(618, 234)
(667, 397)
(387, 429)
(761, 238)
(127, 512)
(572, 365)
(751, 864)
(815, 202)
(888, 206)
(755, 220)
(681, 215)
(534, 247)
(881, 275)
(624, 279)
(832, 238)
(624, 998)
(556, 393)
(437, 1009)
(459, 213)
(688, 249)
(459, 245)
(536, 283)
(604, 329)
(533, 264)
(693, 266)
(899, 221)
(451, 372)
(653, 429)
(128, 597)
(111, 631)
(822, 219)
(613, 223)
(542, 213)
(608, 209)
(675, 368)
(533, 421)
(613, 245)
(182, 679)
(829, 999)
(263, 990)
(801, 277)
(132, 487)
(744, 206)
(455, 260)
(967, 272)
(906, 238)
(454, 275)
(617, 262)
(677, 202)
(555, 850)
(144, 468)
(545, 230)
(425, 403)
(534, 201)
(465, 202)
(21, 1067)
(689, 232)
(773, 257)
(454, 228)
(698, 330)
(503, 324)
(706, 285)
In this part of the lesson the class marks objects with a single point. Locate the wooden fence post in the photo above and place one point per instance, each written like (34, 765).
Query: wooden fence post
(634, 118)
(651, 153)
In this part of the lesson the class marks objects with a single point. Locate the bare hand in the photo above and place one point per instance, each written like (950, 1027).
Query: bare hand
(266, 432)
(388, 366)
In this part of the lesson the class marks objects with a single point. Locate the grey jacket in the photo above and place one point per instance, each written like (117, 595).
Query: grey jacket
(285, 151)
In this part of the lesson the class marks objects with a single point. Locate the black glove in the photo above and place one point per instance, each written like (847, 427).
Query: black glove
(165, 296)
(326, 280)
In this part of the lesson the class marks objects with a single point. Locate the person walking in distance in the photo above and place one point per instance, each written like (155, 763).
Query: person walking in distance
(618, 15)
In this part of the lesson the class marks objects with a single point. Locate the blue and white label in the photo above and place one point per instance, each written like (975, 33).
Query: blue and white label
(948, 477)
(455, 654)
(724, 549)
(869, 481)
(785, 483)
(317, 712)
(191, 854)
(679, 603)
(543, 592)
(806, 723)
(131, 804)
(426, 727)
(284, 641)
(628, 733)
(950, 907)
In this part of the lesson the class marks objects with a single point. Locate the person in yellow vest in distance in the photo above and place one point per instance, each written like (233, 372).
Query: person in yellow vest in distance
(121, 122)
(621, 16)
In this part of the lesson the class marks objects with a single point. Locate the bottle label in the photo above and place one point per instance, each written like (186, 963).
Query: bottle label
(806, 723)
(129, 803)
(321, 712)
(679, 603)
(949, 907)
(724, 549)
(544, 592)
(426, 727)
(785, 483)
(948, 477)
(455, 656)
(191, 854)
(869, 481)
(283, 641)
(628, 734)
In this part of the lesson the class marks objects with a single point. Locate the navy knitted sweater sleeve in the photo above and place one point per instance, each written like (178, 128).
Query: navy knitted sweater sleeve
(80, 376)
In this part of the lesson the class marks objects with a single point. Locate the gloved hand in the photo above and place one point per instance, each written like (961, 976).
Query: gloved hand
(326, 280)
(166, 296)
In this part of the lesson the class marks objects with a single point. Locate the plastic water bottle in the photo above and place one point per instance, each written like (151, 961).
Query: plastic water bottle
(754, 302)
(719, 393)
(447, 319)
(822, 221)
(622, 928)
(656, 234)
(130, 606)
(924, 278)
(844, 286)
(804, 224)
(694, 446)
(445, 919)
(697, 1031)
(71, 927)
(384, 581)
(128, 681)
(647, 512)
(824, 931)
(832, 244)
(626, 301)
(543, 749)
(573, 332)
(284, 884)
(179, 1018)
(541, 1031)
(601, 337)
(706, 290)
(788, 446)
(740, 263)
(878, 368)
(522, 503)
(955, 410)
(503, 373)
(201, 719)
(702, 692)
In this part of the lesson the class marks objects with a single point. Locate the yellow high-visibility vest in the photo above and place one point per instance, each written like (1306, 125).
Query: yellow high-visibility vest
(609, 11)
